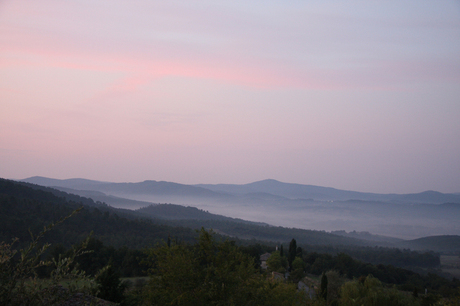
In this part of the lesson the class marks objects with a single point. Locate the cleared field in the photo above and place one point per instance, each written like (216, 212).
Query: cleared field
(451, 265)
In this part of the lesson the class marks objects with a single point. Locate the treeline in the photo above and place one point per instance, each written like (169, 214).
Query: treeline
(271, 233)
(131, 262)
(127, 262)
(373, 254)
(396, 257)
(404, 279)
(208, 272)
(300, 263)
(404, 258)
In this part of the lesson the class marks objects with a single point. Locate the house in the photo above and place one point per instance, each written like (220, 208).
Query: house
(310, 291)
(263, 260)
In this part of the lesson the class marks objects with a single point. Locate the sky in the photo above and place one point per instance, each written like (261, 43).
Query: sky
(355, 95)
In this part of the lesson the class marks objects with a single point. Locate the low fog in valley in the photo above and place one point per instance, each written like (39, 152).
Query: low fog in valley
(407, 216)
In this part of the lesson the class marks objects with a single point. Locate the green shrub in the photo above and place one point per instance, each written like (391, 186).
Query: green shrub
(19, 282)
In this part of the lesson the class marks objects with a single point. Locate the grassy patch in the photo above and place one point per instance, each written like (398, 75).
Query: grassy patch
(451, 264)
(66, 283)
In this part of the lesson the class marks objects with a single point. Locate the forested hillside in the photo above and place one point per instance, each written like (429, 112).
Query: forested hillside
(447, 244)
(23, 208)
(23, 201)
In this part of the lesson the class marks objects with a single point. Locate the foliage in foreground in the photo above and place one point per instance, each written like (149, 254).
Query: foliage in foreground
(19, 282)
(207, 273)
(109, 286)
(211, 273)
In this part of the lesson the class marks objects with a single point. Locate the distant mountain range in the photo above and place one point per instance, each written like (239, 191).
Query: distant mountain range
(405, 216)
(267, 187)
(192, 217)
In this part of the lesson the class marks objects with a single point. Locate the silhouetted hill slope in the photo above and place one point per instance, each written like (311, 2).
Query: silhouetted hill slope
(97, 196)
(23, 208)
(149, 187)
(196, 218)
(228, 191)
(158, 188)
(77, 183)
(428, 197)
(368, 236)
(293, 191)
(447, 244)
(178, 212)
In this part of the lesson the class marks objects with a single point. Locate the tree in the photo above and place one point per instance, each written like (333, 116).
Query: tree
(109, 285)
(298, 269)
(299, 252)
(292, 251)
(334, 282)
(277, 263)
(372, 292)
(323, 292)
(211, 273)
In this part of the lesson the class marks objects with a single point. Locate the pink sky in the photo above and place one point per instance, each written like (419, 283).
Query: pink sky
(361, 96)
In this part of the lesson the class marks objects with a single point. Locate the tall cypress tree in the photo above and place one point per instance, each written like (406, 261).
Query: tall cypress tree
(299, 252)
(323, 292)
(292, 251)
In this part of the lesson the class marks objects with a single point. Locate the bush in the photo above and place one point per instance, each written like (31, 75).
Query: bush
(19, 282)
(370, 291)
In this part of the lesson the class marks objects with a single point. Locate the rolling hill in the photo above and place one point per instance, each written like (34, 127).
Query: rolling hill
(300, 191)
(447, 244)
(149, 187)
(25, 206)
(229, 191)
(406, 216)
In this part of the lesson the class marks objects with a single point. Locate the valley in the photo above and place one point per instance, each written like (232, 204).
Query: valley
(404, 216)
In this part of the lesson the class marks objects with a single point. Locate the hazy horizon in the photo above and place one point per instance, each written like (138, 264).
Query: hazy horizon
(194, 184)
(279, 204)
(359, 95)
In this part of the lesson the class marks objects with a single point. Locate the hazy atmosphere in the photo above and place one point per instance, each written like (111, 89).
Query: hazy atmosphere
(356, 95)
(230, 152)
